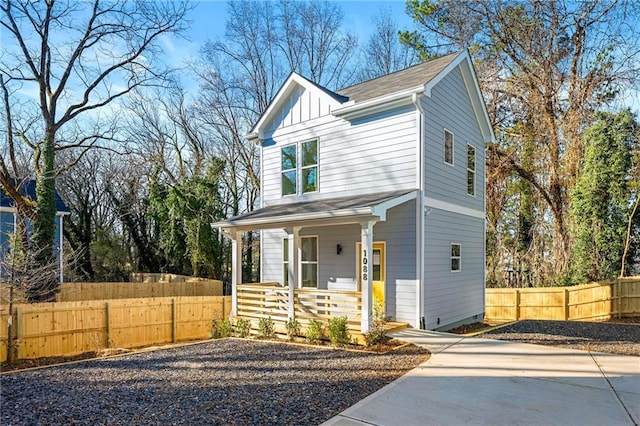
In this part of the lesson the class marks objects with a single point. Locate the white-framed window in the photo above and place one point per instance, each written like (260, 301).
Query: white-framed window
(448, 147)
(285, 262)
(309, 173)
(456, 257)
(471, 170)
(289, 169)
(299, 168)
(309, 261)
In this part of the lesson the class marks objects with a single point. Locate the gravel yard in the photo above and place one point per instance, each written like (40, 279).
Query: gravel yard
(227, 381)
(609, 337)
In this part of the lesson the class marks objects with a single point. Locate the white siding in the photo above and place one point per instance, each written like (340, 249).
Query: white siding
(373, 155)
(453, 296)
(301, 106)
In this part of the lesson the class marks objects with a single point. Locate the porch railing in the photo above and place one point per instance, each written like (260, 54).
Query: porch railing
(257, 301)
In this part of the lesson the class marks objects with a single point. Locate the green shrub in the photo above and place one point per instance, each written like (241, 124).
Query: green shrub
(265, 328)
(315, 330)
(376, 334)
(339, 331)
(225, 328)
(243, 327)
(294, 328)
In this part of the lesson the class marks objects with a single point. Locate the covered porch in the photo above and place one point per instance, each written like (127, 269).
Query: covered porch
(293, 298)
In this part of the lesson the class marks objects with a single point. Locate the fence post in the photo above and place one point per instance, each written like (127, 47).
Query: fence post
(107, 314)
(174, 321)
(517, 298)
(565, 302)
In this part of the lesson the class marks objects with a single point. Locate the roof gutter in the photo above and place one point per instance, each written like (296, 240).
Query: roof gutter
(379, 104)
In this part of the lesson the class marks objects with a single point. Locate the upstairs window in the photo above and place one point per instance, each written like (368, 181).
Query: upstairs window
(299, 161)
(448, 147)
(471, 170)
(289, 161)
(455, 257)
(310, 166)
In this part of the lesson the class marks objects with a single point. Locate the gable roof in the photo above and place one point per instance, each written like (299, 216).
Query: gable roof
(29, 190)
(408, 78)
(396, 89)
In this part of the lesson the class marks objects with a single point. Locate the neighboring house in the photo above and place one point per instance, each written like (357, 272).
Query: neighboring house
(8, 219)
(375, 191)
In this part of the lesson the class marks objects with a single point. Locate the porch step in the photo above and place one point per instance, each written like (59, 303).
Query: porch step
(395, 326)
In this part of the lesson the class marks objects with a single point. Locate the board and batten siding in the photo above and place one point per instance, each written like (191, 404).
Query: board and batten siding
(449, 102)
(453, 296)
(398, 234)
(302, 105)
(373, 155)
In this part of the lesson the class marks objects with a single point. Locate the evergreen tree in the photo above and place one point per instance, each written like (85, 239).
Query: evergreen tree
(600, 200)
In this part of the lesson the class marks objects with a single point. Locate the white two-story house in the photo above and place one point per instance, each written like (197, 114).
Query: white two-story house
(372, 196)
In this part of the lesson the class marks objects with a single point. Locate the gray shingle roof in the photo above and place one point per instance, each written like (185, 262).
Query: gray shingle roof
(397, 81)
(281, 212)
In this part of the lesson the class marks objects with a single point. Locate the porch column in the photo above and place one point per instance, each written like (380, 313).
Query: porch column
(292, 271)
(236, 269)
(366, 240)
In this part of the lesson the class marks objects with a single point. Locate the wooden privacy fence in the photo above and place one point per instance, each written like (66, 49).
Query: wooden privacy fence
(588, 302)
(71, 292)
(71, 328)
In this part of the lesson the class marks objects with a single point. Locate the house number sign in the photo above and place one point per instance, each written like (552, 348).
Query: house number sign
(365, 266)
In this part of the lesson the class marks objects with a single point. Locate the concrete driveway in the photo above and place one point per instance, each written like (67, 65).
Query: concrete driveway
(480, 381)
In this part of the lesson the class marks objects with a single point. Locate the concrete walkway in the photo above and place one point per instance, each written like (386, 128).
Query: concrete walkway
(480, 381)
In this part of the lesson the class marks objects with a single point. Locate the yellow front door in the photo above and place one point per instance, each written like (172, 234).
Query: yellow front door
(378, 274)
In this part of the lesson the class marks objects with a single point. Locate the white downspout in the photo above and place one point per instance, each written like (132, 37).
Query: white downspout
(420, 239)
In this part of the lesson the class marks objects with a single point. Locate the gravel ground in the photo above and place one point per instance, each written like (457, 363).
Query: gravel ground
(616, 338)
(226, 381)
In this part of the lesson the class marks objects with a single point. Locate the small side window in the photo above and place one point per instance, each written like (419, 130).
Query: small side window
(455, 257)
(471, 170)
(448, 147)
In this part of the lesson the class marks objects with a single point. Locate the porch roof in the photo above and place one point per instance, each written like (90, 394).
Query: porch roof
(330, 211)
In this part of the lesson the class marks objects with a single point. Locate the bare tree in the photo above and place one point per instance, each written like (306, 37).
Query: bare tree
(383, 52)
(80, 58)
(545, 68)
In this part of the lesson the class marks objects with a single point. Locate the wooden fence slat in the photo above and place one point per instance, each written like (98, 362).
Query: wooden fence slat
(595, 301)
(70, 328)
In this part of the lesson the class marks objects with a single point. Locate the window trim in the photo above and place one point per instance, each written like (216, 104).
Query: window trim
(299, 168)
(469, 170)
(316, 165)
(282, 172)
(444, 147)
(309, 262)
(452, 257)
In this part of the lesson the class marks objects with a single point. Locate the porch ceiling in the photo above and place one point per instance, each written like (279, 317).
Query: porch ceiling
(331, 211)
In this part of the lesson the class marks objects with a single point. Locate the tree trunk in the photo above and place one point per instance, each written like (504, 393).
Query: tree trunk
(44, 224)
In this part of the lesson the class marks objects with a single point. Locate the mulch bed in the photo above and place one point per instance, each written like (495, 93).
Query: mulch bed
(617, 336)
(228, 381)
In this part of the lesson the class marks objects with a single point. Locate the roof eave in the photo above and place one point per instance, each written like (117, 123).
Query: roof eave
(379, 104)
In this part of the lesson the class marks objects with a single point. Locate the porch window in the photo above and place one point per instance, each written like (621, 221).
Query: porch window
(455, 257)
(289, 161)
(310, 166)
(285, 262)
(471, 170)
(448, 147)
(309, 261)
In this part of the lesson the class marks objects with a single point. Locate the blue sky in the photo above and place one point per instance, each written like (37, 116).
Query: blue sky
(208, 19)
